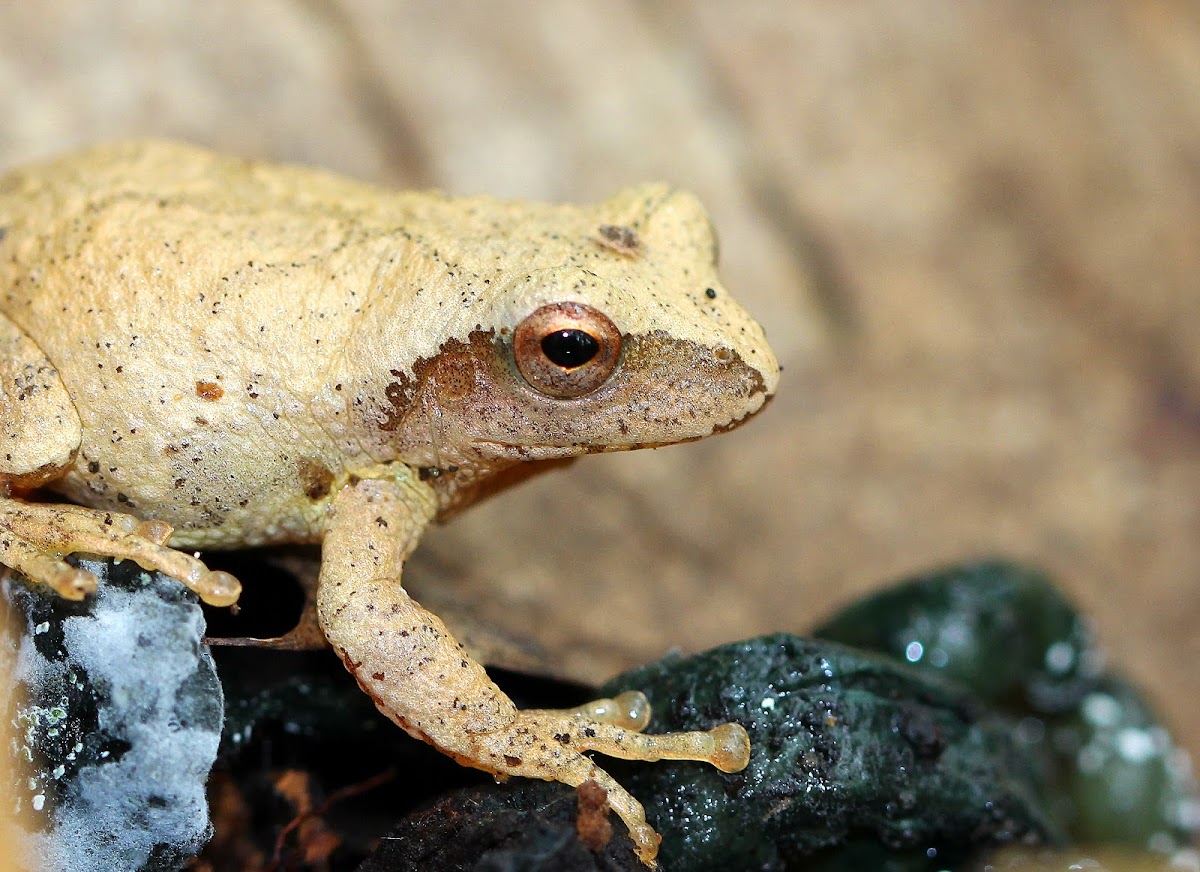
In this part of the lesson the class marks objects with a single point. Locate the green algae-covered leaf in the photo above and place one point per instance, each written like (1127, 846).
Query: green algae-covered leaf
(846, 748)
(1117, 777)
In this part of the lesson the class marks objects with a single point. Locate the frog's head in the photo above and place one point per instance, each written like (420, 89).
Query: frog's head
(620, 336)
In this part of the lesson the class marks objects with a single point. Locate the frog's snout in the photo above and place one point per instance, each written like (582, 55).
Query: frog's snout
(763, 361)
(747, 370)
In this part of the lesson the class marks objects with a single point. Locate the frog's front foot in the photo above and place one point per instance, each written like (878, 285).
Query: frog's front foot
(420, 677)
(424, 680)
(550, 744)
(35, 537)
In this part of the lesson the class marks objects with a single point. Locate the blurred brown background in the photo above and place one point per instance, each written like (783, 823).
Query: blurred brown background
(972, 231)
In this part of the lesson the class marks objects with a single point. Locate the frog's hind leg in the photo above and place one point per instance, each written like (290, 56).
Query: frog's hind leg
(41, 534)
(40, 433)
(39, 427)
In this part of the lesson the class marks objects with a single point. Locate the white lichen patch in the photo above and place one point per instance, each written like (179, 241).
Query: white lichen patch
(121, 749)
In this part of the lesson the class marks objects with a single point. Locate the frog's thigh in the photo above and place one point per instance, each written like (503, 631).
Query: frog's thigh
(41, 432)
(39, 435)
(420, 677)
(39, 427)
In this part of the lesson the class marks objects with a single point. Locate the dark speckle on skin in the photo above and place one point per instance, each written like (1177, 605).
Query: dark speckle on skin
(316, 479)
(622, 240)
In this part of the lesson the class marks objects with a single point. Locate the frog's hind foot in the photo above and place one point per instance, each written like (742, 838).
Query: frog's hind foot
(35, 537)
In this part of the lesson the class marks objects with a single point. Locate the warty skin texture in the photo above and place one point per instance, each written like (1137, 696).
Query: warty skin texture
(230, 353)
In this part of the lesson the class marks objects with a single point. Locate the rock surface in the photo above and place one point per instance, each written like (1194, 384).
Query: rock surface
(856, 762)
(524, 826)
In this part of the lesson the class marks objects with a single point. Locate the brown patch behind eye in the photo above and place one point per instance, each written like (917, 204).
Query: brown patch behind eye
(454, 374)
(399, 395)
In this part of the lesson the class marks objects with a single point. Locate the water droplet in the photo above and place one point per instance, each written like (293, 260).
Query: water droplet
(1187, 859)
(1090, 759)
(1060, 657)
(1031, 730)
(1136, 745)
(1101, 710)
(1161, 843)
(914, 652)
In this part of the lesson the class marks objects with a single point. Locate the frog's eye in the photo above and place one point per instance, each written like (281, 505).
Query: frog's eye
(566, 349)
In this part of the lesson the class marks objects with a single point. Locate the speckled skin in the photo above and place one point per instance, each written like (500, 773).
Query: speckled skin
(254, 354)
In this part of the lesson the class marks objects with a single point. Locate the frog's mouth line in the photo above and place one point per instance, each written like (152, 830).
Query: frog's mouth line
(551, 451)
(527, 451)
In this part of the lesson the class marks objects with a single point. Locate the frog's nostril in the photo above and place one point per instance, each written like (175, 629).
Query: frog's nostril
(723, 354)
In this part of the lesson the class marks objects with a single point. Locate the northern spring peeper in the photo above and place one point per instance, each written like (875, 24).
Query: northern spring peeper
(199, 351)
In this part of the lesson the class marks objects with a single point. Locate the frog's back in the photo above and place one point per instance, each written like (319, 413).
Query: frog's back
(42, 194)
(158, 277)
(181, 261)
(139, 199)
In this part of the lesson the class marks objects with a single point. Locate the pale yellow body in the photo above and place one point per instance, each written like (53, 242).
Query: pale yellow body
(230, 353)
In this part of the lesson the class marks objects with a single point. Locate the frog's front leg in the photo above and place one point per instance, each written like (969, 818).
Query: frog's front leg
(421, 678)
(40, 434)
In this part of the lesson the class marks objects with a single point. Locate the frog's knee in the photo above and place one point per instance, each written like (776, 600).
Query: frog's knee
(16, 475)
(40, 431)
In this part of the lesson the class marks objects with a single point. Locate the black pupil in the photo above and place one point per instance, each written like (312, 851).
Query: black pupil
(569, 348)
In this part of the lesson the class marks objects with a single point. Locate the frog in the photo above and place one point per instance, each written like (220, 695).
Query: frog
(205, 352)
